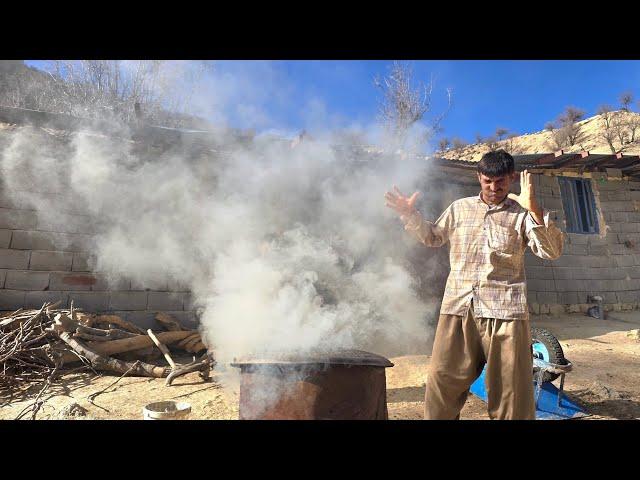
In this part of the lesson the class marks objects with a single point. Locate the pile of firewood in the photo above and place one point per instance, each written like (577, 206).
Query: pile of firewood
(36, 345)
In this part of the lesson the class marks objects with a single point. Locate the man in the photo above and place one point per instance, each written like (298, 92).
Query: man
(484, 316)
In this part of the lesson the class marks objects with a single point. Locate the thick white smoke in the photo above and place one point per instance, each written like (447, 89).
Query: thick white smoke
(283, 249)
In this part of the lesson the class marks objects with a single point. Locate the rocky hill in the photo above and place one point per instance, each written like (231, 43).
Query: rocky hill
(609, 132)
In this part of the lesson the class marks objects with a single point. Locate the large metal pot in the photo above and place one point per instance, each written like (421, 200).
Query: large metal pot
(336, 385)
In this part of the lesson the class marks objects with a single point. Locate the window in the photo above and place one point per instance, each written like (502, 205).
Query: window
(579, 205)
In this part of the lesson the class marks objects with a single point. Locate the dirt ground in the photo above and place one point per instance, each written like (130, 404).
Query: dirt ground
(605, 380)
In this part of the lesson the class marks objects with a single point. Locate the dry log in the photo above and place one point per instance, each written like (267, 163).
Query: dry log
(102, 335)
(163, 349)
(203, 366)
(168, 322)
(88, 333)
(182, 343)
(86, 319)
(28, 353)
(116, 320)
(191, 344)
(113, 335)
(141, 341)
(129, 344)
(197, 347)
(64, 323)
(111, 364)
(145, 354)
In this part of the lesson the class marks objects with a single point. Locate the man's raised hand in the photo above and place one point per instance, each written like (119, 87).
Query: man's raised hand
(400, 203)
(527, 197)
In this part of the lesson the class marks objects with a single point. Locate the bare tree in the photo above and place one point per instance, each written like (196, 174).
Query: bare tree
(110, 88)
(607, 132)
(24, 87)
(501, 133)
(549, 126)
(633, 124)
(626, 128)
(509, 143)
(458, 143)
(566, 130)
(479, 138)
(571, 115)
(626, 99)
(444, 144)
(402, 106)
(492, 143)
(621, 131)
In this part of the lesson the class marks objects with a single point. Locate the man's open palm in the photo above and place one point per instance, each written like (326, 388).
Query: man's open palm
(400, 203)
(527, 198)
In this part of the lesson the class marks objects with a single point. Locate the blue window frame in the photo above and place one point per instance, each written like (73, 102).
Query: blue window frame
(579, 205)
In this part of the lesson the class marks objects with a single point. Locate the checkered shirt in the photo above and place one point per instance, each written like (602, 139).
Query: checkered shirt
(486, 252)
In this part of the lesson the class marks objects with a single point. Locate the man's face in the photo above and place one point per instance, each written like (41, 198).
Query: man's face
(494, 189)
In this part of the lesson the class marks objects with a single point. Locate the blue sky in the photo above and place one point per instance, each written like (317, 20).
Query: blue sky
(522, 96)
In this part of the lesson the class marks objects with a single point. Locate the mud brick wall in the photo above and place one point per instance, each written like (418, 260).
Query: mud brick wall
(49, 259)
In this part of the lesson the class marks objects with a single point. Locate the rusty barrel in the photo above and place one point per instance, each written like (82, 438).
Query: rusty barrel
(336, 385)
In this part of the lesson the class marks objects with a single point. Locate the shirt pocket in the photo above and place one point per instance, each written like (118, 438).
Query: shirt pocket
(503, 239)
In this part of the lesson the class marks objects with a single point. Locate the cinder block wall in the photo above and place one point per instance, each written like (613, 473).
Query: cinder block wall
(49, 259)
(607, 265)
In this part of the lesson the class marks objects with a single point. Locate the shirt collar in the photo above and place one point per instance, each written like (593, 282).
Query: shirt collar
(506, 203)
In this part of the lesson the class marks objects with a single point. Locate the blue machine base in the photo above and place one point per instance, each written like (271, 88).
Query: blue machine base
(547, 407)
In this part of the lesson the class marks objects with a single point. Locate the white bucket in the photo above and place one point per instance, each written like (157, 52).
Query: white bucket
(167, 411)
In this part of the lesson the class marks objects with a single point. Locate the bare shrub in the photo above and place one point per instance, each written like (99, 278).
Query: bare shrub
(626, 99)
(444, 144)
(492, 143)
(620, 131)
(458, 143)
(566, 131)
(402, 106)
(108, 89)
(501, 133)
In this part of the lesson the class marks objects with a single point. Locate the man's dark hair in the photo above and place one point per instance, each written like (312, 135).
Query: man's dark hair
(496, 164)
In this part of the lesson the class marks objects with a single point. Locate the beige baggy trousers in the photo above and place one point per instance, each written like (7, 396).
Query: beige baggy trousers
(461, 347)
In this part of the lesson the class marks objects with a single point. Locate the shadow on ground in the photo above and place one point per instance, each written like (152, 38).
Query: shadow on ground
(64, 384)
(623, 408)
(405, 394)
(581, 326)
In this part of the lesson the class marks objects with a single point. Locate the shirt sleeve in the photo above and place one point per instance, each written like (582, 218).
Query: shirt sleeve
(545, 241)
(431, 234)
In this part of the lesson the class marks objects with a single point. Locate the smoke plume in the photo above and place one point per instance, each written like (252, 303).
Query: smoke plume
(283, 248)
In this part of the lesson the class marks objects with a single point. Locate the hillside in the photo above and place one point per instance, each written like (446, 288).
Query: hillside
(593, 133)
